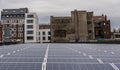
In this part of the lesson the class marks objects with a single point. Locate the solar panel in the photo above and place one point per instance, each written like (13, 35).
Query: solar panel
(118, 65)
(20, 66)
(58, 66)
(60, 57)
(73, 60)
(21, 59)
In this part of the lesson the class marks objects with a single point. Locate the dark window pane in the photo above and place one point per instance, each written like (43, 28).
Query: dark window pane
(30, 16)
(29, 32)
(43, 38)
(30, 38)
(29, 21)
(49, 38)
(29, 26)
(43, 33)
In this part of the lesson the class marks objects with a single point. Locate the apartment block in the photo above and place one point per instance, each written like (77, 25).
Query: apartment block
(102, 27)
(116, 34)
(75, 28)
(13, 21)
(44, 33)
(31, 28)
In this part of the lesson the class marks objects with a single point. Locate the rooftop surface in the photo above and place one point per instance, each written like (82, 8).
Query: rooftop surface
(60, 57)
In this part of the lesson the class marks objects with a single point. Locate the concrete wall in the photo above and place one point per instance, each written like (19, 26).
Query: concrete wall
(34, 29)
(79, 28)
(46, 35)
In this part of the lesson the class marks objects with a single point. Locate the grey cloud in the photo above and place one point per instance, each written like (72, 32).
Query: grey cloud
(46, 8)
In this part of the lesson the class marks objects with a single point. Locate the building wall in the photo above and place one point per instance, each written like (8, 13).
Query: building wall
(83, 25)
(116, 35)
(31, 28)
(1, 39)
(62, 29)
(13, 24)
(44, 36)
(13, 31)
(102, 27)
(44, 33)
(78, 27)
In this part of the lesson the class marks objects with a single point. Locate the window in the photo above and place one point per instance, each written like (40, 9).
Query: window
(3, 16)
(49, 33)
(30, 16)
(29, 21)
(14, 11)
(29, 32)
(43, 38)
(39, 33)
(49, 38)
(43, 33)
(30, 38)
(7, 16)
(89, 31)
(14, 16)
(60, 33)
(18, 15)
(29, 26)
(21, 11)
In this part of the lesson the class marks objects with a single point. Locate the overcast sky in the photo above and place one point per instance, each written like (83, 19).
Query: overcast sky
(47, 8)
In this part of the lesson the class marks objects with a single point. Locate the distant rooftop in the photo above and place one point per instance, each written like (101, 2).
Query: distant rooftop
(15, 11)
(44, 26)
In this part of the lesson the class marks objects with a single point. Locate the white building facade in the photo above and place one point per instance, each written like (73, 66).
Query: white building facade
(31, 28)
(44, 34)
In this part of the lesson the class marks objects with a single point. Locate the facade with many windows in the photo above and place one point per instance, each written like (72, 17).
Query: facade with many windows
(116, 34)
(31, 28)
(75, 28)
(102, 27)
(13, 21)
(44, 33)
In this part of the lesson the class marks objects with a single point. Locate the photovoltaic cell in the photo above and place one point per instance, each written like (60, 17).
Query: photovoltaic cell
(57, 66)
(20, 66)
(60, 56)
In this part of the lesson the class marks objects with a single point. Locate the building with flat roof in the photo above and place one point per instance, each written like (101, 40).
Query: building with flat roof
(44, 33)
(13, 24)
(31, 28)
(116, 34)
(102, 27)
(75, 28)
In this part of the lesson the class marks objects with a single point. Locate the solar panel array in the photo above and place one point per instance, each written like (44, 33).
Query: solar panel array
(60, 57)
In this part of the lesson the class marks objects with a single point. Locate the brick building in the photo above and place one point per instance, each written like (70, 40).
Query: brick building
(13, 24)
(84, 27)
(77, 27)
(102, 27)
